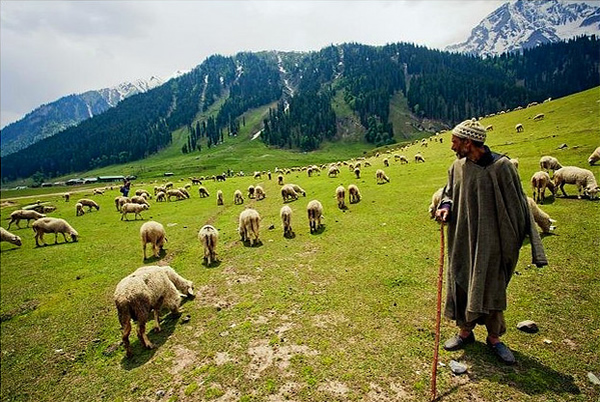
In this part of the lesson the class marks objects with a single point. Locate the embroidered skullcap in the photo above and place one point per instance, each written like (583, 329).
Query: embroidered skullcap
(470, 129)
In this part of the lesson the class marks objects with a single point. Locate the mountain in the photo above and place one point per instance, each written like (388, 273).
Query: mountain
(528, 23)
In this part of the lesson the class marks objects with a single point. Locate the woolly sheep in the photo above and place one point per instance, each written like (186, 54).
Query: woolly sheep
(148, 288)
(67, 196)
(89, 203)
(539, 182)
(539, 116)
(120, 200)
(333, 171)
(419, 158)
(594, 157)
(357, 173)
(386, 162)
(249, 225)
(79, 209)
(340, 196)
(298, 189)
(238, 198)
(203, 192)
(280, 180)
(353, 194)
(5, 235)
(541, 218)
(286, 219)
(219, 197)
(489, 128)
(19, 214)
(548, 163)
(288, 193)
(436, 198)
(97, 191)
(519, 128)
(141, 192)
(184, 191)
(161, 196)
(208, 236)
(381, 177)
(314, 210)
(250, 191)
(403, 159)
(53, 225)
(583, 178)
(175, 193)
(132, 208)
(259, 193)
(138, 199)
(168, 185)
(153, 233)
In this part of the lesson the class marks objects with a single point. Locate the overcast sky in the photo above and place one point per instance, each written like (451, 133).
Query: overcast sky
(49, 49)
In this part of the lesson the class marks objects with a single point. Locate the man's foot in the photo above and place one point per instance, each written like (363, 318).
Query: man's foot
(502, 352)
(458, 342)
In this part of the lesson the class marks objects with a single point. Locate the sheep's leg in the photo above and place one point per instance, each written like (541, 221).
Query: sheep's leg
(55, 238)
(126, 330)
(142, 335)
(144, 249)
(562, 188)
(157, 328)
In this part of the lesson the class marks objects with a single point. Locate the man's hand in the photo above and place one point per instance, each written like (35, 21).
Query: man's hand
(441, 215)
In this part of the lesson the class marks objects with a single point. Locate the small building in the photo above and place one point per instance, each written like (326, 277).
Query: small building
(107, 179)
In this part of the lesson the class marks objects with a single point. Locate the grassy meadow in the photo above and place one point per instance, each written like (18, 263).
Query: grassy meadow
(345, 314)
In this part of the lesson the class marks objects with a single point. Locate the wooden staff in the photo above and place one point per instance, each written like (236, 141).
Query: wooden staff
(439, 315)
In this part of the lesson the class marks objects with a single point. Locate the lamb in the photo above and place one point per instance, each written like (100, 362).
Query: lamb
(436, 198)
(340, 195)
(286, 220)
(53, 225)
(154, 233)
(249, 225)
(219, 197)
(419, 158)
(260, 193)
(19, 214)
(208, 236)
(548, 163)
(594, 157)
(519, 128)
(541, 218)
(583, 178)
(148, 288)
(203, 192)
(79, 209)
(298, 189)
(381, 177)
(250, 191)
(315, 213)
(353, 194)
(132, 208)
(539, 182)
(175, 193)
(90, 204)
(288, 193)
(238, 198)
(5, 235)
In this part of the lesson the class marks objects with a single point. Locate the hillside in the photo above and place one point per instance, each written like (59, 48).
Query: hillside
(345, 314)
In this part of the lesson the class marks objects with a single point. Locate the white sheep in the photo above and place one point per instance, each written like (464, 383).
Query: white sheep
(286, 219)
(184, 191)
(19, 214)
(314, 210)
(298, 189)
(288, 193)
(403, 159)
(89, 203)
(203, 192)
(548, 163)
(386, 162)
(161, 196)
(79, 209)
(381, 177)
(238, 198)
(333, 171)
(175, 193)
(419, 158)
(340, 196)
(489, 128)
(539, 182)
(583, 178)
(141, 192)
(153, 233)
(97, 191)
(132, 208)
(250, 191)
(515, 162)
(435, 201)
(539, 116)
(208, 236)
(148, 288)
(120, 200)
(138, 199)
(259, 192)
(541, 218)
(519, 128)
(67, 196)
(353, 194)
(594, 157)
(5, 235)
(280, 179)
(53, 225)
(249, 226)
(219, 197)
(357, 173)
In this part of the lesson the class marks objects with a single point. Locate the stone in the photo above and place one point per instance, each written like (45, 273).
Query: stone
(528, 326)
(593, 379)
(458, 368)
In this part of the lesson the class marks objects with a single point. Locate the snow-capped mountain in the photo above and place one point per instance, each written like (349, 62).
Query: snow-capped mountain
(527, 23)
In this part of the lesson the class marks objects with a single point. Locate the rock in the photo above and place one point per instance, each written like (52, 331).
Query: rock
(593, 379)
(160, 393)
(271, 227)
(458, 368)
(186, 319)
(528, 326)
(563, 146)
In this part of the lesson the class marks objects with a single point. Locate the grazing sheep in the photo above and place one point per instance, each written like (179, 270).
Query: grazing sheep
(403, 159)
(203, 192)
(315, 213)
(19, 214)
(208, 236)
(257, 175)
(515, 162)
(419, 158)
(79, 209)
(280, 179)
(353, 194)
(5, 235)
(583, 178)
(154, 233)
(386, 162)
(148, 288)
(435, 201)
(541, 218)
(340, 196)
(594, 157)
(357, 173)
(141, 192)
(381, 177)
(249, 225)
(219, 197)
(184, 192)
(238, 198)
(539, 116)
(67, 196)
(133, 208)
(519, 128)
(539, 182)
(168, 185)
(120, 200)
(89, 203)
(42, 209)
(161, 196)
(489, 128)
(138, 199)
(298, 189)
(53, 225)
(97, 191)
(259, 193)
(175, 193)
(288, 193)
(548, 163)
(250, 191)
(286, 220)
(333, 171)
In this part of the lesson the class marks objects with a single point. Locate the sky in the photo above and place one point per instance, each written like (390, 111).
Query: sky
(50, 48)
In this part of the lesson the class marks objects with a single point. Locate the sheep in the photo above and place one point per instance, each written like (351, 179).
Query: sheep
(333, 171)
(435, 201)
(539, 116)
(548, 163)
(53, 225)
(257, 175)
(203, 192)
(250, 191)
(403, 159)
(386, 162)
(298, 189)
(249, 225)
(148, 288)
(175, 193)
(133, 208)
(594, 157)
(541, 218)
(280, 179)
(288, 193)
(353, 194)
(141, 192)
(208, 236)
(539, 182)
(90, 204)
(583, 178)
(5, 235)
(161, 196)
(97, 191)
(19, 214)
(381, 177)
(67, 196)
(42, 209)
(138, 199)
(357, 173)
(340, 196)
(315, 213)
(286, 219)
(259, 193)
(120, 200)
(489, 128)
(79, 209)
(168, 185)
(238, 198)
(515, 162)
(519, 128)
(184, 191)
(154, 233)
(419, 158)
(219, 197)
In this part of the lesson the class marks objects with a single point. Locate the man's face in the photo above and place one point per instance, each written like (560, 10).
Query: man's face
(460, 146)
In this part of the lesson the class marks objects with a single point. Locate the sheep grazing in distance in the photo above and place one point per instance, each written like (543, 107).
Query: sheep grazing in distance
(184, 191)
(515, 161)
(436, 198)
(130, 208)
(357, 173)
(288, 193)
(153, 233)
(238, 198)
(594, 157)
(419, 158)
(67, 196)
(250, 191)
(548, 163)
(489, 128)
(168, 185)
(539, 182)
(353, 194)
(333, 171)
(89, 203)
(403, 159)
(539, 116)
(5, 235)
(19, 214)
(386, 162)
(381, 177)
(120, 200)
(219, 197)
(583, 178)
(97, 191)
(249, 226)
(79, 209)
(259, 192)
(203, 192)
(208, 236)
(286, 219)
(298, 189)
(315, 214)
(519, 128)
(280, 179)
(175, 193)
(148, 288)
(138, 199)
(161, 196)
(53, 225)
(141, 192)
(340, 196)
(541, 218)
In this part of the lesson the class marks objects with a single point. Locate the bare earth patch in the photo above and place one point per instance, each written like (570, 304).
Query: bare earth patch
(334, 387)
(286, 392)
(329, 320)
(183, 358)
(264, 356)
(378, 394)
(208, 296)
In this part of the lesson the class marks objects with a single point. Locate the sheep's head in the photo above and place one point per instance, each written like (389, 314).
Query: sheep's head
(16, 241)
(74, 235)
(592, 191)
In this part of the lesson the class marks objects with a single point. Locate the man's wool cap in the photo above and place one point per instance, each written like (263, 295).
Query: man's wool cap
(470, 129)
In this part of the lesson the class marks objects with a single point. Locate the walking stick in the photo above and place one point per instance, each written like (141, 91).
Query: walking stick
(438, 316)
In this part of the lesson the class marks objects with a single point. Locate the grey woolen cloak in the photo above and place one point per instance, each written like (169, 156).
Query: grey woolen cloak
(488, 221)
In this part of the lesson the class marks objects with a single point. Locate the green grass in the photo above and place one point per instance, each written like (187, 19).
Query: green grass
(346, 314)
